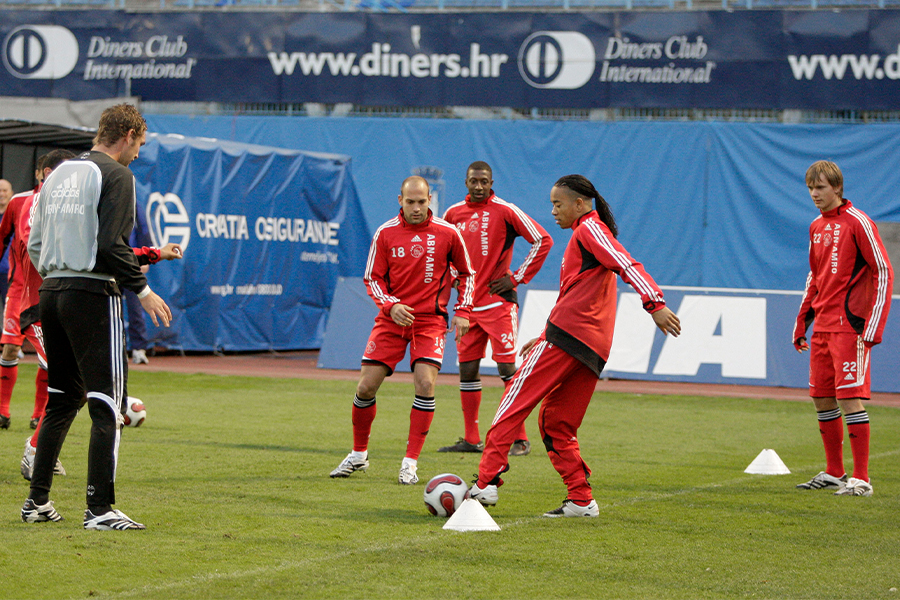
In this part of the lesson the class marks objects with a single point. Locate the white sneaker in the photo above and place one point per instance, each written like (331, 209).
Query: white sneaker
(139, 357)
(855, 487)
(27, 465)
(350, 464)
(28, 459)
(570, 509)
(112, 520)
(823, 480)
(487, 496)
(408, 470)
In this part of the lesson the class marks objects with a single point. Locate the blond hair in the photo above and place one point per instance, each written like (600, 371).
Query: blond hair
(832, 174)
(115, 123)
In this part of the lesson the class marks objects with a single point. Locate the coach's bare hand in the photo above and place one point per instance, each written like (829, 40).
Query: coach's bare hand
(526, 348)
(461, 325)
(502, 284)
(402, 314)
(157, 307)
(170, 252)
(667, 321)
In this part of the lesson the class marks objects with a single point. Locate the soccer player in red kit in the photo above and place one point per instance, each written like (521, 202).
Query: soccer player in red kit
(489, 226)
(848, 294)
(408, 276)
(14, 232)
(563, 364)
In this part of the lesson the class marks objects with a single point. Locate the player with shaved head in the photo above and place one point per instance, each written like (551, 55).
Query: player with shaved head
(408, 275)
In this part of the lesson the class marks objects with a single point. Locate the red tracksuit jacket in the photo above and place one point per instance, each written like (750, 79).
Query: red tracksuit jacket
(583, 319)
(849, 285)
(489, 229)
(410, 264)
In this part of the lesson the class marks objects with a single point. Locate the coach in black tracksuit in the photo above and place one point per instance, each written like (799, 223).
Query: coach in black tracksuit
(79, 244)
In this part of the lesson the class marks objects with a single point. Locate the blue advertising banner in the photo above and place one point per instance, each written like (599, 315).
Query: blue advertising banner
(266, 234)
(728, 336)
(712, 59)
(701, 204)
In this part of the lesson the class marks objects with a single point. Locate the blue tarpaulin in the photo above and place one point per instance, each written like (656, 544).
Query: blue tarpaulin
(266, 233)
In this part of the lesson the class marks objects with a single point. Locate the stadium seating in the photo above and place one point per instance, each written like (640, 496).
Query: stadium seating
(450, 5)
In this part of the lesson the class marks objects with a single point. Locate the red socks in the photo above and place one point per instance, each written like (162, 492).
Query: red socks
(858, 428)
(470, 395)
(832, 428)
(9, 372)
(420, 418)
(40, 393)
(363, 415)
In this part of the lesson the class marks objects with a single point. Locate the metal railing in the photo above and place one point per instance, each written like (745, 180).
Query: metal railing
(445, 5)
(472, 112)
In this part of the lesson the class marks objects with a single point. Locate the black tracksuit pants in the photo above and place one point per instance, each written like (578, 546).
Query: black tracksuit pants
(85, 343)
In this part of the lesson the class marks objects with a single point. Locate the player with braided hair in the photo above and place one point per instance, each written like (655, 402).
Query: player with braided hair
(562, 366)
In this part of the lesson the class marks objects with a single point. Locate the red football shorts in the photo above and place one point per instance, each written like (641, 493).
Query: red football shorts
(838, 366)
(500, 325)
(388, 341)
(12, 334)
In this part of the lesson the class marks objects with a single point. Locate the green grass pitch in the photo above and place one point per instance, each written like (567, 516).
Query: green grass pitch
(230, 475)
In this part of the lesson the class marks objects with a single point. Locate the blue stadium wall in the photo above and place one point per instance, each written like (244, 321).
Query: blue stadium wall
(718, 213)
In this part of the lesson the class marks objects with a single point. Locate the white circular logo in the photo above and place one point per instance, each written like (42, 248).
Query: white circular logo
(40, 52)
(561, 60)
(168, 219)
(417, 251)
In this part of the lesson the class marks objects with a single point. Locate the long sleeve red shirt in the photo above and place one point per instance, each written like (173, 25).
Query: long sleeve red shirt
(583, 319)
(410, 264)
(489, 229)
(849, 285)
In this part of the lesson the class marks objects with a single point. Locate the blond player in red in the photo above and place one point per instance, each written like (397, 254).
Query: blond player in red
(408, 276)
(848, 295)
(562, 366)
(490, 226)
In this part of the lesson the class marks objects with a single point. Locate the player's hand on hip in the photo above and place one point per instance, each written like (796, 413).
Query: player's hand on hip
(502, 284)
(667, 321)
(461, 324)
(157, 308)
(170, 252)
(526, 348)
(402, 314)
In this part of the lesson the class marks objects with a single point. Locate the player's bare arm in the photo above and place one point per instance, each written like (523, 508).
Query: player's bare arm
(170, 252)
(502, 284)
(156, 307)
(402, 314)
(461, 325)
(667, 321)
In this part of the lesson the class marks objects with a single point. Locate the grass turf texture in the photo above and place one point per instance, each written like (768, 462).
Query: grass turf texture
(230, 475)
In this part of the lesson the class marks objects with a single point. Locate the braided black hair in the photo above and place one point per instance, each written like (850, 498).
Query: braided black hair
(583, 187)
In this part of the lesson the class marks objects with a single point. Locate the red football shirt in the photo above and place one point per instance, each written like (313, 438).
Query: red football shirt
(489, 230)
(410, 264)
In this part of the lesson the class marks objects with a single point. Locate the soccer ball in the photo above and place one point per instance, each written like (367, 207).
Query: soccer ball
(444, 493)
(135, 413)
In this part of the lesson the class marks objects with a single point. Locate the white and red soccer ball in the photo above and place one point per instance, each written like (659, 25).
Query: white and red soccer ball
(444, 493)
(135, 413)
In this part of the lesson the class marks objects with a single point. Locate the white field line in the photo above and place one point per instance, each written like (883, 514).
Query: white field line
(288, 565)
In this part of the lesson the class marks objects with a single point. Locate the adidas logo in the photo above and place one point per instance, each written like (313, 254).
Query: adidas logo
(509, 346)
(828, 228)
(849, 377)
(416, 239)
(474, 215)
(68, 188)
